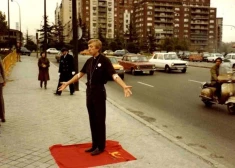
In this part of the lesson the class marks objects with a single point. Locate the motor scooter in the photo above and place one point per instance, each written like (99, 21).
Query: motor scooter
(227, 80)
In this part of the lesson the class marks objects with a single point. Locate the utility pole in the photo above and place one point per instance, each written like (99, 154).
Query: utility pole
(45, 27)
(9, 40)
(19, 22)
(75, 39)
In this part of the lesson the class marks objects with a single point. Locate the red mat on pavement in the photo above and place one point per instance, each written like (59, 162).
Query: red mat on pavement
(74, 156)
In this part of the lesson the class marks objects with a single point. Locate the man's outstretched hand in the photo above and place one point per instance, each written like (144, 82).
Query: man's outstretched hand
(63, 86)
(127, 91)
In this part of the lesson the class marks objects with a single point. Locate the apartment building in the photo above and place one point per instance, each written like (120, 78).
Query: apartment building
(109, 17)
(63, 13)
(192, 20)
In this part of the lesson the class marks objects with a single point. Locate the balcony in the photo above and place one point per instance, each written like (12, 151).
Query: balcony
(199, 28)
(199, 23)
(163, 16)
(163, 21)
(163, 10)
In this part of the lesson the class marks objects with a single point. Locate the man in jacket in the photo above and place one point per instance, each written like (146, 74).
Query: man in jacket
(66, 70)
(214, 76)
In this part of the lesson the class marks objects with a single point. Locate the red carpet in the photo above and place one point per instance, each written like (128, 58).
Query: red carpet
(74, 156)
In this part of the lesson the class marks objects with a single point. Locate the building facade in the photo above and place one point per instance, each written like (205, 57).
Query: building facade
(192, 20)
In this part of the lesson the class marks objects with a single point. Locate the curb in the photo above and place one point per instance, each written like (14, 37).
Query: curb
(169, 137)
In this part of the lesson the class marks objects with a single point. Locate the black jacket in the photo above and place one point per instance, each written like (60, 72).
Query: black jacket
(66, 64)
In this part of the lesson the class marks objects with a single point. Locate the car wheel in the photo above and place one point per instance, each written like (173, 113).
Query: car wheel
(28, 54)
(122, 76)
(151, 72)
(133, 71)
(183, 70)
(167, 69)
(233, 65)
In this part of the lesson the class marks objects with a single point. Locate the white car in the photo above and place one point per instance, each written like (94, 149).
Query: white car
(213, 57)
(231, 58)
(168, 62)
(52, 51)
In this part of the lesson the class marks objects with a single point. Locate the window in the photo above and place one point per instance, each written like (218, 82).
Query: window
(185, 25)
(212, 21)
(185, 20)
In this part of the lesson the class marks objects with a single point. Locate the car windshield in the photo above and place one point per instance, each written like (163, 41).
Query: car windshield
(171, 57)
(139, 59)
(113, 60)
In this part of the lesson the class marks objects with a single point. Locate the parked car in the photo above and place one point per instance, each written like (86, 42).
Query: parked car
(135, 63)
(194, 56)
(204, 56)
(168, 62)
(231, 58)
(108, 52)
(185, 55)
(213, 57)
(118, 68)
(119, 53)
(25, 51)
(52, 51)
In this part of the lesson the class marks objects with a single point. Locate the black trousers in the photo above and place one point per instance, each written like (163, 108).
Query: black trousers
(64, 77)
(2, 106)
(96, 106)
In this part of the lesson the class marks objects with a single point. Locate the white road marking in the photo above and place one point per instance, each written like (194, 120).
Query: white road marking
(195, 81)
(145, 84)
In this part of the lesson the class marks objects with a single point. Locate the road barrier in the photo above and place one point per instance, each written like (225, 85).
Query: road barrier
(9, 61)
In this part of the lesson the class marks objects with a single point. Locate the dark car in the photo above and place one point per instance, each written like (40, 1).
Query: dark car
(135, 63)
(25, 51)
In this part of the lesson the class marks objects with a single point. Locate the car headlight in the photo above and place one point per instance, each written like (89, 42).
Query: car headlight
(172, 64)
(137, 67)
(154, 66)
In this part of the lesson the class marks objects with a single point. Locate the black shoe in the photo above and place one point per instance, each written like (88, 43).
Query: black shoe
(90, 150)
(3, 120)
(56, 94)
(96, 152)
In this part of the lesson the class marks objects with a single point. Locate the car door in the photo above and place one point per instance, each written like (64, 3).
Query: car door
(161, 62)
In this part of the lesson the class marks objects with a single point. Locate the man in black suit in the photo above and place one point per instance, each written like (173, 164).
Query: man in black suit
(66, 70)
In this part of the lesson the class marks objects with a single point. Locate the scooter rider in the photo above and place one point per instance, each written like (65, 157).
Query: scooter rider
(214, 76)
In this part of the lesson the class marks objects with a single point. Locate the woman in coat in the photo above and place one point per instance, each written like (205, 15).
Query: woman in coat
(43, 64)
(2, 84)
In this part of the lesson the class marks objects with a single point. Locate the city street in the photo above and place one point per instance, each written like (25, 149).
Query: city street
(170, 101)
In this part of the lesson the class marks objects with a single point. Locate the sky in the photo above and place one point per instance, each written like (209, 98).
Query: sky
(32, 12)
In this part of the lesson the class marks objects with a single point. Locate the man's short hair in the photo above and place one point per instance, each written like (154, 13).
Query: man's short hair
(218, 59)
(97, 43)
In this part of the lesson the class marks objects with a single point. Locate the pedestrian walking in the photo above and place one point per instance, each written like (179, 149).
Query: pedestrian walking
(98, 69)
(43, 65)
(2, 84)
(66, 70)
(18, 52)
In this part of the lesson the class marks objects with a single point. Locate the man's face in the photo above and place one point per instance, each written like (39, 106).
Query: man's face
(218, 62)
(93, 50)
(64, 52)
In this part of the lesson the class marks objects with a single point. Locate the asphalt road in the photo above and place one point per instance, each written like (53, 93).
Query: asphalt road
(170, 101)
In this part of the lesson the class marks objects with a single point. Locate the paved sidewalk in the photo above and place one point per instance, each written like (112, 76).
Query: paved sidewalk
(37, 119)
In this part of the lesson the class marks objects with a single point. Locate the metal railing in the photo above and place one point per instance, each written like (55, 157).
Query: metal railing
(9, 61)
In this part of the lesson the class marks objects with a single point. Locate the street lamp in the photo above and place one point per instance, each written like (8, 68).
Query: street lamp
(19, 21)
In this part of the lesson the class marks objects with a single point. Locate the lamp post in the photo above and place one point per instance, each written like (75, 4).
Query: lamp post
(19, 21)
(8, 1)
(75, 39)
(45, 27)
